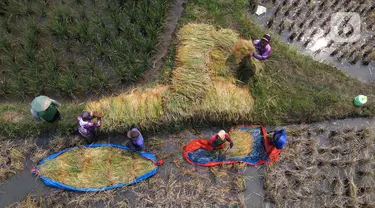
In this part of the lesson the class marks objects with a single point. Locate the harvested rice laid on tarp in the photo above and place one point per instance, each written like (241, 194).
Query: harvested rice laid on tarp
(243, 141)
(96, 167)
(253, 149)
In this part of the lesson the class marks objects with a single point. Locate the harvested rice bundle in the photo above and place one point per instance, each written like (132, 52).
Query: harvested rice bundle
(218, 62)
(242, 48)
(195, 43)
(225, 39)
(143, 107)
(243, 143)
(226, 98)
(96, 167)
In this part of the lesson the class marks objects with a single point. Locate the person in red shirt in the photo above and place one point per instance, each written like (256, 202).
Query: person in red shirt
(217, 142)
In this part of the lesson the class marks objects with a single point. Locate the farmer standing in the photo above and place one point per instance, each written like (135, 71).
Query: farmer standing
(136, 139)
(86, 127)
(45, 108)
(263, 47)
(217, 142)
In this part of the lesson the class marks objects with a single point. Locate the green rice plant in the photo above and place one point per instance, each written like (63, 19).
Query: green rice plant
(67, 82)
(50, 69)
(6, 45)
(16, 8)
(34, 79)
(82, 31)
(60, 21)
(101, 80)
(19, 85)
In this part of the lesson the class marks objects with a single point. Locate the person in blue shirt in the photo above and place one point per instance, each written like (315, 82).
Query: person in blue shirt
(136, 139)
(279, 139)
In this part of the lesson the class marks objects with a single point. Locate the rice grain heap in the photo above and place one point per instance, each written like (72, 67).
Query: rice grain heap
(243, 143)
(96, 167)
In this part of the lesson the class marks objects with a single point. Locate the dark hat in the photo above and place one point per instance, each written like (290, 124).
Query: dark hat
(133, 134)
(267, 37)
(85, 115)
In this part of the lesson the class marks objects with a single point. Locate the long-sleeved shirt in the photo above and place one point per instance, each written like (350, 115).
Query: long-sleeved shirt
(263, 52)
(47, 114)
(215, 141)
(87, 128)
(138, 142)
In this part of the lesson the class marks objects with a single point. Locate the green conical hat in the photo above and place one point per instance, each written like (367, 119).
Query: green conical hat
(40, 103)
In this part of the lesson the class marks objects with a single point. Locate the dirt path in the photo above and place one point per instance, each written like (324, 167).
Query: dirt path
(165, 39)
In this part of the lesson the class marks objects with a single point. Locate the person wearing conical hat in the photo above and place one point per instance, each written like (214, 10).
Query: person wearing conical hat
(262, 47)
(218, 140)
(43, 107)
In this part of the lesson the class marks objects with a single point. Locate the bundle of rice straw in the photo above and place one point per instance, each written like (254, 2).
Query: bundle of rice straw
(96, 167)
(243, 143)
(242, 48)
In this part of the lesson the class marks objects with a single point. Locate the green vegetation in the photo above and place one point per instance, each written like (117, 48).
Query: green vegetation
(291, 87)
(16, 121)
(75, 47)
(287, 88)
(96, 167)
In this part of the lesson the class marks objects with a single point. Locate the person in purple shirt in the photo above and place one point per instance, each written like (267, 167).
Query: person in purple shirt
(136, 139)
(86, 126)
(263, 47)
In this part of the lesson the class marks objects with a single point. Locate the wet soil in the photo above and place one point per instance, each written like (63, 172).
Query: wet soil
(307, 27)
(176, 175)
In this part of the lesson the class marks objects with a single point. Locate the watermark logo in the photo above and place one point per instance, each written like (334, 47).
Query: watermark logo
(345, 27)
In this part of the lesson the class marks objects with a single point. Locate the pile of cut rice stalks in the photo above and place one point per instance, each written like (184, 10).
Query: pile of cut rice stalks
(243, 143)
(96, 167)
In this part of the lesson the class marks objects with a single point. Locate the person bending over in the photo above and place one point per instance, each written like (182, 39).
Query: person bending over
(217, 142)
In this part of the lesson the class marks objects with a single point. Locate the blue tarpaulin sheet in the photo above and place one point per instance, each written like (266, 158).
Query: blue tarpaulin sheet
(203, 156)
(52, 183)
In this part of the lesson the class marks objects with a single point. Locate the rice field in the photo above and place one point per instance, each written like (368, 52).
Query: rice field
(12, 157)
(320, 168)
(309, 22)
(76, 47)
(96, 167)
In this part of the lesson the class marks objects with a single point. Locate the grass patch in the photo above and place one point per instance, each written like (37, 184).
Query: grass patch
(16, 121)
(243, 143)
(96, 167)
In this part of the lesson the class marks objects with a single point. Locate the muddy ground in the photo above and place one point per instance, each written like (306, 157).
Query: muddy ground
(307, 25)
(326, 164)
(177, 184)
